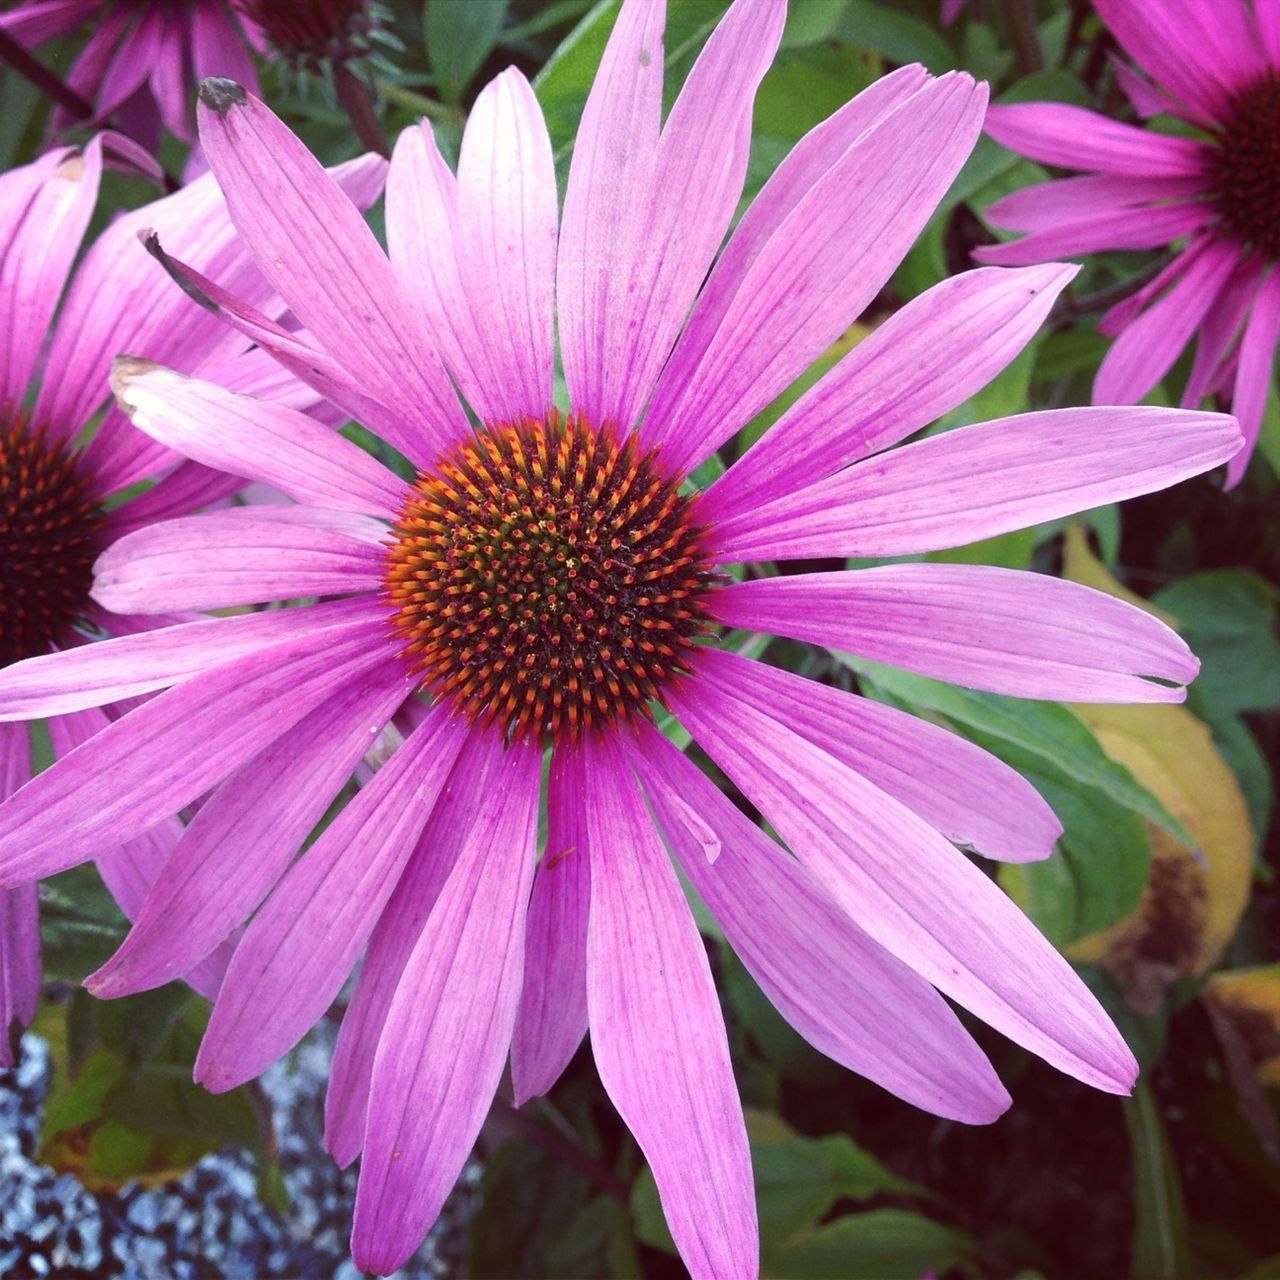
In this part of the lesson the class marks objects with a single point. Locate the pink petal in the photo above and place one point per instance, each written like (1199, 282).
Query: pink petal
(1074, 138)
(303, 944)
(393, 939)
(657, 1032)
(927, 358)
(245, 835)
(825, 261)
(976, 482)
(449, 1025)
(1254, 377)
(846, 995)
(961, 790)
(240, 555)
(911, 891)
(111, 670)
(19, 911)
(506, 242)
(552, 1018)
(35, 264)
(1219, 332)
(34, 23)
(175, 747)
(1004, 630)
(1146, 350)
(312, 244)
(254, 439)
(1047, 205)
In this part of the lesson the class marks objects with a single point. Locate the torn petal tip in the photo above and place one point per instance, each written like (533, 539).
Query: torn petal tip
(220, 95)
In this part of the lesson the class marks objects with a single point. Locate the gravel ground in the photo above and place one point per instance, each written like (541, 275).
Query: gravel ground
(209, 1223)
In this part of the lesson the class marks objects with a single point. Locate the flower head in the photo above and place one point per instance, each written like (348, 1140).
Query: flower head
(143, 59)
(1214, 197)
(62, 503)
(312, 32)
(549, 580)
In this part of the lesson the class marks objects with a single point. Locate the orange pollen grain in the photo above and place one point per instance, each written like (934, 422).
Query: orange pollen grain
(548, 577)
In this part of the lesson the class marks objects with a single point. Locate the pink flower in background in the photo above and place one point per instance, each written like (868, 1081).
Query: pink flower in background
(144, 58)
(1213, 195)
(549, 578)
(60, 500)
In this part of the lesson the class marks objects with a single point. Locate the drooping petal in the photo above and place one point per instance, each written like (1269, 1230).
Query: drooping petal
(240, 555)
(926, 359)
(245, 835)
(552, 1018)
(1147, 348)
(976, 482)
(255, 439)
(967, 794)
(1219, 333)
(1047, 205)
(301, 947)
(20, 969)
(1074, 138)
(449, 1025)
(312, 244)
(1008, 631)
(130, 665)
(911, 891)
(36, 263)
(845, 994)
(1253, 377)
(163, 755)
(657, 1032)
(506, 242)
(392, 942)
(823, 263)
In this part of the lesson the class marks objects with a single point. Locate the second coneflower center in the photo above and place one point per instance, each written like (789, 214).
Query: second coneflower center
(548, 577)
(1247, 177)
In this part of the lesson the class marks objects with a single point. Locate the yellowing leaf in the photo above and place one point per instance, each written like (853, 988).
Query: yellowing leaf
(1250, 1000)
(1079, 564)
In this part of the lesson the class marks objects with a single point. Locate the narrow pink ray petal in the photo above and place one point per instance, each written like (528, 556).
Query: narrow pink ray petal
(36, 262)
(1266, 14)
(552, 1018)
(962, 791)
(911, 891)
(976, 482)
(449, 1025)
(1254, 376)
(508, 217)
(1003, 630)
(1147, 348)
(393, 939)
(19, 911)
(33, 24)
(825, 261)
(1116, 318)
(606, 200)
(129, 665)
(312, 244)
(657, 1032)
(845, 994)
(1219, 332)
(245, 835)
(1138, 228)
(927, 358)
(164, 754)
(254, 439)
(240, 555)
(279, 982)
(1048, 205)
(698, 171)
(136, 59)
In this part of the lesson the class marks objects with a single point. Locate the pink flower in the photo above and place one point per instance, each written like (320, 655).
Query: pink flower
(550, 578)
(1215, 196)
(60, 502)
(144, 59)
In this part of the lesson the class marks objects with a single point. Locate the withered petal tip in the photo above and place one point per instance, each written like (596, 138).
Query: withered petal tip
(220, 94)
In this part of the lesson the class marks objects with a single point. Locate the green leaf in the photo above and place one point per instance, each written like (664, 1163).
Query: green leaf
(811, 22)
(1044, 729)
(885, 1244)
(900, 37)
(79, 1099)
(460, 35)
(80, 924)
(1160, 1226)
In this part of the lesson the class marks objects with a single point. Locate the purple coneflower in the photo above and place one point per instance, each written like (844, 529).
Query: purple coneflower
(551, 577)
(60, 502)
(1214, 193)
(144, 58)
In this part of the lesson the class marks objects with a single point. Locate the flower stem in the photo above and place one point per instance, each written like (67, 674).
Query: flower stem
(51, 85)
(1024, 35)
(356, 101)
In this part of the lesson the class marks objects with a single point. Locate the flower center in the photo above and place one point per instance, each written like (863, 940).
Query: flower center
(312, 30)
(548, 577)
(50, 535)
(1247, 166)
